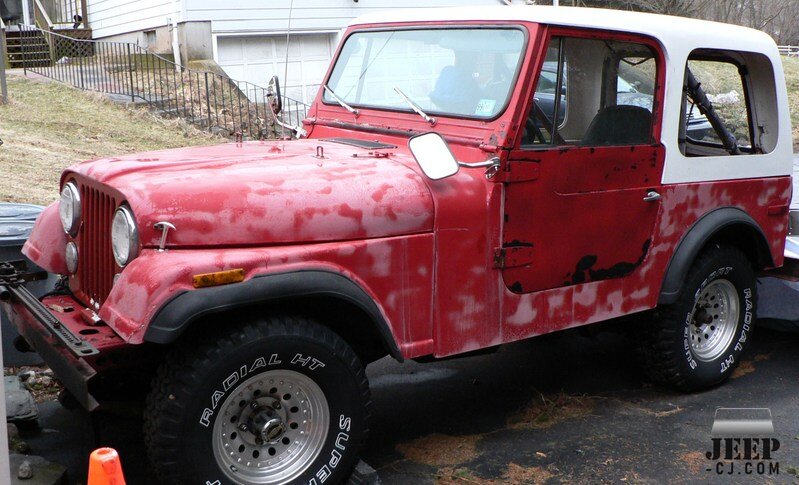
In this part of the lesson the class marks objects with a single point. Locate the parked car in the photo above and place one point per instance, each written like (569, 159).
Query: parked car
(429, 209)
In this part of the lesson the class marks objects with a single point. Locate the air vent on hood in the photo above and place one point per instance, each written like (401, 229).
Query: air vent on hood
(372, 145)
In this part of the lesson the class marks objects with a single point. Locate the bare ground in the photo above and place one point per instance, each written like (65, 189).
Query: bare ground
(49, 126)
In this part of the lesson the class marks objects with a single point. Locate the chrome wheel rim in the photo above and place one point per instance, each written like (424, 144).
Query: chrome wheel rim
(271, 428)
(714, 319)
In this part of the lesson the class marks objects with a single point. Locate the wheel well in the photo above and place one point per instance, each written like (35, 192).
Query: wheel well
(745, 238)
(726, 225)
(346, 319)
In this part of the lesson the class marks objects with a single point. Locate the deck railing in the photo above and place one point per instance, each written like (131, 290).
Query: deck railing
(3, 61)
(126, 71)
(63, 13)
(789, 50)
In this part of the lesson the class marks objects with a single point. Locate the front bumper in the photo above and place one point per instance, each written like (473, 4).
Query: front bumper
(60, 329)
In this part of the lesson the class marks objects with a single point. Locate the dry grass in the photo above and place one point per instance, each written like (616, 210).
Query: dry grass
(549, 410)
(745, 367)
(514, 475)
(48, 126)
(791, 66)
(441, 450)
(695, 461)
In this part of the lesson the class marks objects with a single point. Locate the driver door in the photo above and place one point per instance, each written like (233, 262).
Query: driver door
(582, 187)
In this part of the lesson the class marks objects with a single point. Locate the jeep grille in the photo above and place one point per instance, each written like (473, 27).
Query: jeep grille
(96, 265)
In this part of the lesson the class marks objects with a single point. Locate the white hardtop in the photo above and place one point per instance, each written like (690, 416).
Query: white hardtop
(669, 30)
(678, 36)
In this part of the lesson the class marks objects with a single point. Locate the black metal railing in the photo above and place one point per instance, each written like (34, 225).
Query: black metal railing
(65, 12)
(126, 71)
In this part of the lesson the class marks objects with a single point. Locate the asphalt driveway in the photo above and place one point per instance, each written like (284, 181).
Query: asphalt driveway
(559, 408)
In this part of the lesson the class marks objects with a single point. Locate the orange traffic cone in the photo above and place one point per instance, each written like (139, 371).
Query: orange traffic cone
(105, 467)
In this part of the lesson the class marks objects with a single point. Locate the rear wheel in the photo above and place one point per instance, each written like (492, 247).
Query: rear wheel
(279, 401)
(697, 341)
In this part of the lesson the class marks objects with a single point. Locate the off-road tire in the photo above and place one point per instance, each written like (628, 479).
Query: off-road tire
(667, 352)
(189, 393)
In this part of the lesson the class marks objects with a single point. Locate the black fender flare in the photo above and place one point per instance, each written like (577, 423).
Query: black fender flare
(185, 308)
(697, 237)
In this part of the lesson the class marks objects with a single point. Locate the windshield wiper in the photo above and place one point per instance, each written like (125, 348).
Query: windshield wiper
(415, 106)
(340, 101)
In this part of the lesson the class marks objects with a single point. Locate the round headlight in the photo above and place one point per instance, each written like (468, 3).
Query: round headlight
(72, 257)
(124, 236)
(69, 208)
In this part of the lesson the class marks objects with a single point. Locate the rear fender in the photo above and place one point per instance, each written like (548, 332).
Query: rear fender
(699, 235)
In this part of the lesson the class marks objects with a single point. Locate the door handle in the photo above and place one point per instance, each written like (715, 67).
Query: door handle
(652, 196)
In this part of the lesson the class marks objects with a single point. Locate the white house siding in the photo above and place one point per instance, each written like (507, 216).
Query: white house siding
(115, 17)
(250, 36)
(264, 16)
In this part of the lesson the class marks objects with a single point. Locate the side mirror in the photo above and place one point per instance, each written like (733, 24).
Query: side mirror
(433, 155)
(273, 90)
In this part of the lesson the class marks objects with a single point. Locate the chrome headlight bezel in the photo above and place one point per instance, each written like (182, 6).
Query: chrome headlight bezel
(71, 256)
(69, 208)
(124, 236)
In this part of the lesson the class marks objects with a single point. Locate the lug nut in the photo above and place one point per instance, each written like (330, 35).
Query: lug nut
(276, 404)
(242, 427)
(254, 405)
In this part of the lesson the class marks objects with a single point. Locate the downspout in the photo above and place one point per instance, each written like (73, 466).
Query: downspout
(177, 10)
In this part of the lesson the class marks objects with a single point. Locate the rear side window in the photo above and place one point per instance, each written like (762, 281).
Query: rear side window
(728, 108)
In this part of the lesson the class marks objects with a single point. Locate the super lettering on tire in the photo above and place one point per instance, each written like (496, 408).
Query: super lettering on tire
(696, 342)
(280, 400)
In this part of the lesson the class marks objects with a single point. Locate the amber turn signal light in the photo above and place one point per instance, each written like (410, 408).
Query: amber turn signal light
(218, 278)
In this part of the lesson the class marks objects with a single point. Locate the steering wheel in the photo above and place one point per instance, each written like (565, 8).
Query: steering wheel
(530, 128)
(537, 114)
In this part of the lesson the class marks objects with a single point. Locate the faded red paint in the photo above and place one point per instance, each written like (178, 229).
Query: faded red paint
(243, 194)
(423, 250)
(47, 242)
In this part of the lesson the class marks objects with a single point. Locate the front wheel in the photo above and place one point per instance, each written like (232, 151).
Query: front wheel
(279, 401)
(696, 342)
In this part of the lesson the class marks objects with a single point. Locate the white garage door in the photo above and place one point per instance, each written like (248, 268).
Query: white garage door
(256, 59)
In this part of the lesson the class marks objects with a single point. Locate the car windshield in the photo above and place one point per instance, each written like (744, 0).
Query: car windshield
(463, 72)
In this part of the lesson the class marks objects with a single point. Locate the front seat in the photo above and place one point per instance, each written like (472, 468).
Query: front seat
(619, 125)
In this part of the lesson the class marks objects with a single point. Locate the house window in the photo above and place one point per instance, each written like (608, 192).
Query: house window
(719, 114)
(149, 39)
(601, 90)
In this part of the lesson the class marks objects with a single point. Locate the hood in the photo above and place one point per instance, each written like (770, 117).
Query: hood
(260, 193)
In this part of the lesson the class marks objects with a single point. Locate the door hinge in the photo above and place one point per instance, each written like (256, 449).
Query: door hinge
(513, 257)
(519, 171)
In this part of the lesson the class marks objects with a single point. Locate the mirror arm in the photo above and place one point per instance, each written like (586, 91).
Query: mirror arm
(298, 130)
(488, 163)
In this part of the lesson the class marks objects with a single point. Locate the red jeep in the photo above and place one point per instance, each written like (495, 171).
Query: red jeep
(465, 178)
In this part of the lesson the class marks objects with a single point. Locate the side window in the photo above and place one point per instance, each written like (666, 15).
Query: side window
(718, 114)
(602, 91)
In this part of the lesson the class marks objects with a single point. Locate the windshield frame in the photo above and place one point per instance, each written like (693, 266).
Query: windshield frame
(506, 25)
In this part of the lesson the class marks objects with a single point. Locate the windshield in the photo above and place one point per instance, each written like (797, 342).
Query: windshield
(457, 72)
